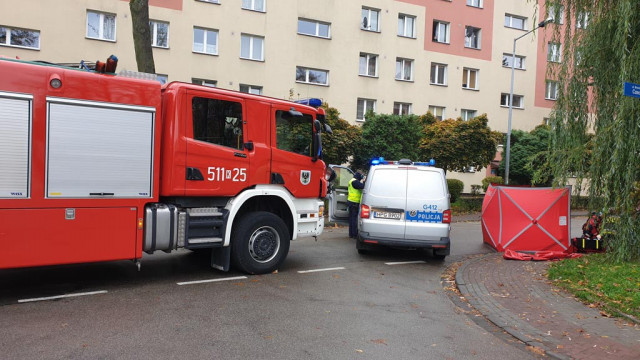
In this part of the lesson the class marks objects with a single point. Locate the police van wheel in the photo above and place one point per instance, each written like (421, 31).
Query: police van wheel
(361, 247)
(260, 243)
(437, 256)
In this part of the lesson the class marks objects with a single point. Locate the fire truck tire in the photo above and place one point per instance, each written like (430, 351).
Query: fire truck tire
(260, 243)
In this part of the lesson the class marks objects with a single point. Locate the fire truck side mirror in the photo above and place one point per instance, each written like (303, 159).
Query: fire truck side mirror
(327, 129)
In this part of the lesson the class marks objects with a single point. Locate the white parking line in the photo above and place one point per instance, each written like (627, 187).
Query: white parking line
(62, 296)
(211, 280)
(318, 270)
(406, 262)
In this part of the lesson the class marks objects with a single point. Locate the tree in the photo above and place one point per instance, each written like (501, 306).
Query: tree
(457, 144)
(528, 154)
(393, 137)
(339, 146)
(596, 60)
(142, 35)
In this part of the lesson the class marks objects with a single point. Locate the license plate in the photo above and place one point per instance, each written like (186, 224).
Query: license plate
(387, 215)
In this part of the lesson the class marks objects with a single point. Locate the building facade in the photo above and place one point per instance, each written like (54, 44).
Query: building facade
(450, 57)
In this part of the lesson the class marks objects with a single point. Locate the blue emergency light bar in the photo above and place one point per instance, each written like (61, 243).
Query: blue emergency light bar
(315, 102)
(382, 161)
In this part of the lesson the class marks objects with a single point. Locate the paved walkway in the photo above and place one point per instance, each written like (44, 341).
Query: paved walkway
(516, 296)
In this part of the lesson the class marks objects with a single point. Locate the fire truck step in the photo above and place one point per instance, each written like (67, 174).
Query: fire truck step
(207, 240)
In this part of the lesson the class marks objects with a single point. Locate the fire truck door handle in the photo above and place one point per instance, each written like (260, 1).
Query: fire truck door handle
(239, 154)
(194, 174)
(101, 194)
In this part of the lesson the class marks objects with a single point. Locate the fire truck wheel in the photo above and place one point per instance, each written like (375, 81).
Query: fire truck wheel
(260, 243)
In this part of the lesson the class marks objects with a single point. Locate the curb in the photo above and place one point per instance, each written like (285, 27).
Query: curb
(493, 317)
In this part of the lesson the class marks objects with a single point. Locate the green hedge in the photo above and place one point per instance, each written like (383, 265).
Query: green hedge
(491, 180)
(455, 188)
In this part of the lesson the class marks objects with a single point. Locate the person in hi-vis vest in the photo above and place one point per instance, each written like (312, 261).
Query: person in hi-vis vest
(355, 194)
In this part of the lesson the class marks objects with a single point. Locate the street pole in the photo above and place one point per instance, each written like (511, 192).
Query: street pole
(513, 64)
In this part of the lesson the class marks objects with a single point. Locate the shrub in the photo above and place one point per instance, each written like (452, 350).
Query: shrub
(455, 188)
(491, 180)
(475, 189)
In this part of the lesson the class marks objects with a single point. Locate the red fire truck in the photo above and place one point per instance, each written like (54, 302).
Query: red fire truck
(97, 167)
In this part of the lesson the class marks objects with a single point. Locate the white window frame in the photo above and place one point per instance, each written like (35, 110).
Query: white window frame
(437, 32)
(205, 37)
(434, 74)
(367, 104)
(406, 28)
(251, 89)
(9, 33)
(367, 58)
(468, 114)
(466, 75)
(582, 19)
(307, 77)
(252, 5)
(551, 90)
(252, 47)
(402, 108)
(508, 21)
(510, 56)
(518, 101)
(551, 13)
(436, 109)
(554, 52)
(368, 11)
(210, 1)
(475, 3)
(154, 33)
(317, 28)
(468, 40)
(402, 64)
(101, 20)
(204, 82)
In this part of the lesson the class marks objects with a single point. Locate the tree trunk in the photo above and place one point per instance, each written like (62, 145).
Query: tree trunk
(142, 35)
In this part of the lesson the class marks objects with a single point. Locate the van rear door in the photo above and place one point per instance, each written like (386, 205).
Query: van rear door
(386, 196)
(427, 199)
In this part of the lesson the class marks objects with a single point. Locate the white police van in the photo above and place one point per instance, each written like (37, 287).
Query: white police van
(404, 204)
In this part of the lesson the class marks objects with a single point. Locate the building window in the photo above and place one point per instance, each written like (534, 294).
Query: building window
(404, 69)
(159, 33)
(251, 89)
(582, 19)
(163, 79)
(20, 38)
(440, 31)
(438, 74)
(252, 47)
(518, 100)
(546, 121)
(406, 26)
(217, 122)
(255, 5)
(401, 108)
(368, 65)
(437, 111)
(468, 114)
(472, 37)
(507, 60)
(204, 82)
(101, 26)
(551, 90)
(554, 52)
(470, 79)
(516, 22)
(314, 28)
(556, 13)
(312, 76)
(474, 3)
(364, 106)
(370, 19)
(205, 41)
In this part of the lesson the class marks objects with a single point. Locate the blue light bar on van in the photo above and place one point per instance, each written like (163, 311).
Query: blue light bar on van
(378, 161)
(431, 162)
(315, 102)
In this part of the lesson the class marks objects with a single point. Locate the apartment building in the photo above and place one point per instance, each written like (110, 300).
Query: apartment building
(450, 57)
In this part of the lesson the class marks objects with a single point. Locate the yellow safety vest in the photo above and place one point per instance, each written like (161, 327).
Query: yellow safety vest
(354, 194)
